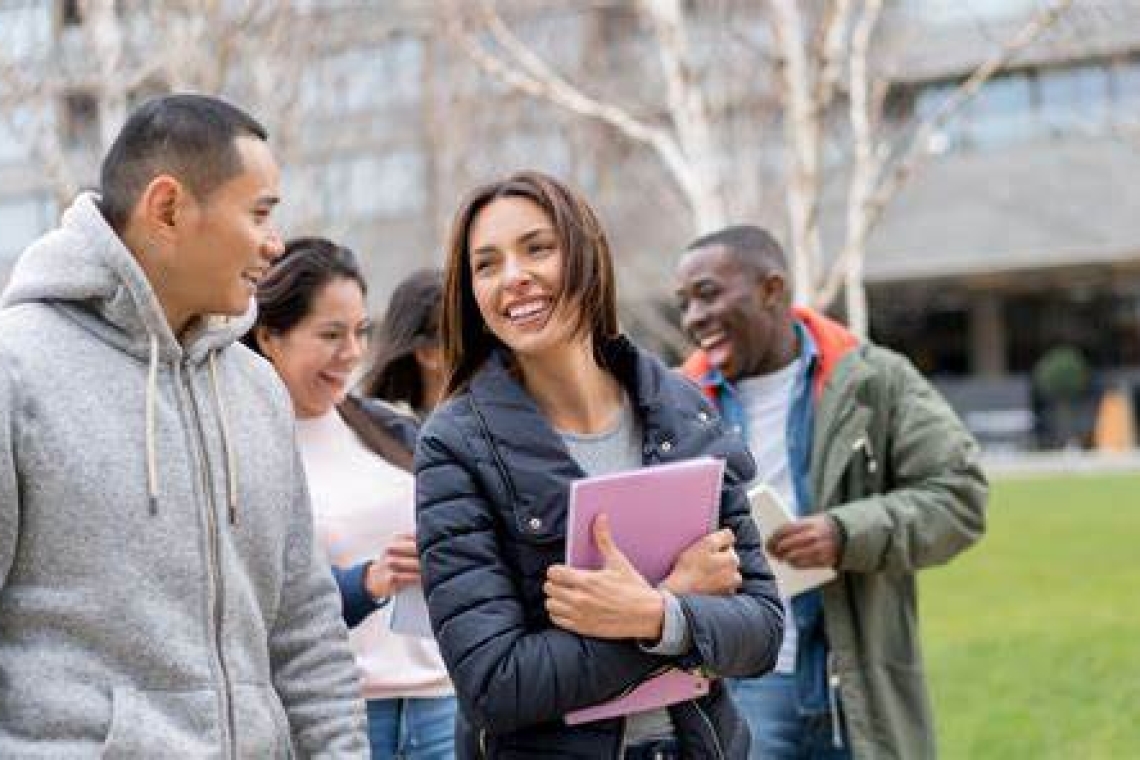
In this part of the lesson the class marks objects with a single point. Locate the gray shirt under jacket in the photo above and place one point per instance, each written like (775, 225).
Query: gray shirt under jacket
(614, 450)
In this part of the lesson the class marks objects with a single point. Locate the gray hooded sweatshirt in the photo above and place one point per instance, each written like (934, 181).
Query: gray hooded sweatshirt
(160, 591)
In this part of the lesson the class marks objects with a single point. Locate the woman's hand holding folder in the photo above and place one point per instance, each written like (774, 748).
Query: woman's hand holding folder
(709, 566)
(613, 602)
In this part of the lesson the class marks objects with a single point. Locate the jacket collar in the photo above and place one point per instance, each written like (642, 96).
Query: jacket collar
(529, 454)
(833, 342)
(495, 385)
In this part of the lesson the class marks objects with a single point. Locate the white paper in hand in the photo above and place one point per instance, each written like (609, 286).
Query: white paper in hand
(769, 512)
(410, 613)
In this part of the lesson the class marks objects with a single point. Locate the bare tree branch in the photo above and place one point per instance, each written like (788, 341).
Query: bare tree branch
(803, 135)
(690, 113)
(913, 153)
(867, 162)
(830, 46)
(689, 163)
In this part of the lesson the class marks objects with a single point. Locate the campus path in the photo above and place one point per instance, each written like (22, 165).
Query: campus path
(1048, 463)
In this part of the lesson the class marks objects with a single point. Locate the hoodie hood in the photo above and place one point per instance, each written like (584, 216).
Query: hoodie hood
(84, 268)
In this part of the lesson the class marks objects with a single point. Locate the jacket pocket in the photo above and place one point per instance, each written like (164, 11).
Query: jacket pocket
(261, 723)
(184, 724)
(162, 724)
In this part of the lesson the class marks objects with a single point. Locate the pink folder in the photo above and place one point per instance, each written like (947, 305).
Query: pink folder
(655, 513)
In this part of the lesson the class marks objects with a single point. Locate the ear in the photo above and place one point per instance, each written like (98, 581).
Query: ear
(429, 357)
(267, 341)
(160, 207)
(773, 288)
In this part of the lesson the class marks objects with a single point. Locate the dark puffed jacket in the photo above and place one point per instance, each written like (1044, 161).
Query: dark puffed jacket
(492, 480)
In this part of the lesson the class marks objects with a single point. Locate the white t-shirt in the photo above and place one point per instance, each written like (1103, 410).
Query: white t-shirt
(360, 502)
(767, 401)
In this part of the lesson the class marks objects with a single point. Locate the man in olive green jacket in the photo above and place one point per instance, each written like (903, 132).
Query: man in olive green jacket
(882, 475)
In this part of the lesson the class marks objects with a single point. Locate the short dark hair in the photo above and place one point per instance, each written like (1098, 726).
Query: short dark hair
(190, 137)
(587, 272)
(750, 244)
(411, 321)
(285, 295)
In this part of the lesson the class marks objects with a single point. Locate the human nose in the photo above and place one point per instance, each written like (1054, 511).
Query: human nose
(273, 246)
(353, 346)
(693, 314)
(515, 272)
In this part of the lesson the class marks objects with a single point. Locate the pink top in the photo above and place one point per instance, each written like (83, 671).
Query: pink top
(360, 502)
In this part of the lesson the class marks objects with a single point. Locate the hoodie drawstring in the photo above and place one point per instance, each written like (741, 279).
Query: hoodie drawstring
(151, 446)
(227, 447)
(151, 456)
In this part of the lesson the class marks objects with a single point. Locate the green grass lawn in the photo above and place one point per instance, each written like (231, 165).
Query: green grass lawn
(1032, 638)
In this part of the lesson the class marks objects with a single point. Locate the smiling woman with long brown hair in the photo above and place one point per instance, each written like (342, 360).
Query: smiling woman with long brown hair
(542, 390)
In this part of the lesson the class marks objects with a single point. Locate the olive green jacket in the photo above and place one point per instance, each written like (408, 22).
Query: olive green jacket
(895, 467)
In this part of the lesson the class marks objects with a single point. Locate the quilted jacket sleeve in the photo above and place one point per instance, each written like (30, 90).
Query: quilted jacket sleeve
(355, 601)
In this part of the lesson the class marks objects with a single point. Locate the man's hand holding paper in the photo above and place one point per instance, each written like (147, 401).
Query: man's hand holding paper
(809, 542)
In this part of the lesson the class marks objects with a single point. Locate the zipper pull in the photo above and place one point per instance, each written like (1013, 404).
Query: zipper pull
(833, 702)
(864, 443)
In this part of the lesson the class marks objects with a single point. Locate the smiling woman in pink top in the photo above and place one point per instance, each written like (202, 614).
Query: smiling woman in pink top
(313, 326)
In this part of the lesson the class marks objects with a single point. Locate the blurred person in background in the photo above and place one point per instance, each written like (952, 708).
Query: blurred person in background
(884, 479)
(544, 390)
(312, 324)
(406, 367)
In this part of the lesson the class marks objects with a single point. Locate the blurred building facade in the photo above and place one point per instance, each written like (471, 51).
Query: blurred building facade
(1020, 237)
(1016, 237)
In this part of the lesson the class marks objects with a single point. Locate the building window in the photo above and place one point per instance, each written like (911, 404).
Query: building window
(1001, 113)
(363, 79)
(25, 31)
(15, 127)
(23, 220)
(1126, 92)
(70, 12)
(1026, 105)
(376, 187)
(1073, 99)
(80, 123)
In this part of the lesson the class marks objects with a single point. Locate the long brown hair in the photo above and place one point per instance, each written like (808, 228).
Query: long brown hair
(587, 280)
(411, 321)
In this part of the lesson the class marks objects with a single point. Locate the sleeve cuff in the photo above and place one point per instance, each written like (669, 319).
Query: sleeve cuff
(676, 638)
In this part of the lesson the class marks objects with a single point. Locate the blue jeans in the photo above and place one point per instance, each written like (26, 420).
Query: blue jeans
(412, 729)
(779, 731)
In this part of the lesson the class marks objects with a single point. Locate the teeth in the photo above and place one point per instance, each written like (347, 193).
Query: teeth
(711, 340)
(526, 310)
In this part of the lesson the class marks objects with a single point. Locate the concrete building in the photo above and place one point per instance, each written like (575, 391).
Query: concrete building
(1020, 235)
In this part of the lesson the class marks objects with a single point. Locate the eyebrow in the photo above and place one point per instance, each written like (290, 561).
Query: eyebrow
(267, 200)
(341, 324)
(526, 237)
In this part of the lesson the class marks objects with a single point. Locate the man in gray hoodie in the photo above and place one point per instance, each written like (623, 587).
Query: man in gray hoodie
(161, 594)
